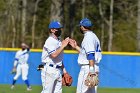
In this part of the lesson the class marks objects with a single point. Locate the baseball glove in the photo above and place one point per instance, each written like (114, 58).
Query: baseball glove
(40, 67)
(92, 80)
(14, 70)
(66, 79)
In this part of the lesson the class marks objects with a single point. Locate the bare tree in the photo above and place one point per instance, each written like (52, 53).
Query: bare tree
(12, 12)
(4, 23)
(14, 31)
(56, 10)
(138, 27)
(71, 17)
(34, 22)
(102, 35)
(8, 24)
(23, 22)
(110, 26)
(83, 8)
(102, 24)
(108, 22)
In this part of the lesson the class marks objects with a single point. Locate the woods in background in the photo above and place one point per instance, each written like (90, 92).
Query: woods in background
(116, 22)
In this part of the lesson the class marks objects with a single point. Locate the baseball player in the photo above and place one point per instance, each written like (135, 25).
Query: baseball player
(52, 58)
(89, 55)
(21, 66)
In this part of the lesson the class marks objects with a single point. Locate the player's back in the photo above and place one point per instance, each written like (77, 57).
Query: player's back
(92, 37)
(90, 44)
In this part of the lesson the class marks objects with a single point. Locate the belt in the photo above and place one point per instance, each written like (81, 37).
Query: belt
(22, 63)
(56, 66)
(97, 64)
(84, 64)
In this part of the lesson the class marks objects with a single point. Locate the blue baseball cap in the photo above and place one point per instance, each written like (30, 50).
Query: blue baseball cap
(85, 22)
(55, 24)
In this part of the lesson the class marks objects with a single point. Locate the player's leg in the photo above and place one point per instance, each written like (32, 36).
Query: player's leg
(25, 68)
(58, 84)
(48, 84)
(43, 78)
(91, 90)
(18, 73)
(97, 69)
(81, 88)
(96, 87)
(94, 90)
(48, 79)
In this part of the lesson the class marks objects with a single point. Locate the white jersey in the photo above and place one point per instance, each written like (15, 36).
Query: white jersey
(50, 46)
(90, 44)
(22, 56)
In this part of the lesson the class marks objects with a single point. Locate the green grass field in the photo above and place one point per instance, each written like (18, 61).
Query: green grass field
(37, 89)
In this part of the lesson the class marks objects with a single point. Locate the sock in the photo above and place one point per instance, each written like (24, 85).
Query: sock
(14, 81)
(27, 83)
(96, 89)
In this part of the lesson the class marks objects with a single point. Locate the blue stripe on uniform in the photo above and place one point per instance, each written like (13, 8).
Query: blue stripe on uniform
(90, 52)
(16, 59)
(48, 51)
(97, 48)
(28, 49)
(24, 53)
(51, 51)
(45, 48)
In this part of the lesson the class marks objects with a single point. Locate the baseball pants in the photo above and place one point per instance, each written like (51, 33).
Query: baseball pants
(22, 69)
(81, 87)
(51, 80)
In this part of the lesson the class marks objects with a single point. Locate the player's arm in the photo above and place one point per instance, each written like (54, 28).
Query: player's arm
(78, 48)
(89, 47)
(91, 59)
(27, 48)
(16, 60)
(73, 43)
(59, 50)
(64, 70)
(14, 67)
(15, 63)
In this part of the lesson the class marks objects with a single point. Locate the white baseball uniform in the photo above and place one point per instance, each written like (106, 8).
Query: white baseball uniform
(21, 59)
(90, 44)
(51, 75)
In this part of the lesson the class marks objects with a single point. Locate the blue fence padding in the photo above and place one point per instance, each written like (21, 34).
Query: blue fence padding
(115, 70)
(120, 71)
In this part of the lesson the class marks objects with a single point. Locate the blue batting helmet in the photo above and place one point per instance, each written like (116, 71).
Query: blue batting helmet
(86, 22)
(55, 24)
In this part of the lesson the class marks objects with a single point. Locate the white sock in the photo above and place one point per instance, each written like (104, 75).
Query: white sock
(96, 89)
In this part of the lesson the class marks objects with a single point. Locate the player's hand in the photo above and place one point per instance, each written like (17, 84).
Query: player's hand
(73, 43)
(91, 80)
(14, 70)
(65, 42)
(27, 46)
(40, 67)
(66, 79)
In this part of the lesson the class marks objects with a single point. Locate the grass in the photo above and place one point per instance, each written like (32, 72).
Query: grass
(118, 90)
(37, 89)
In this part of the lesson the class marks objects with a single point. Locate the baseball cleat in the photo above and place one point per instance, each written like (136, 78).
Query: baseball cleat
(29, 89)
(12, 87)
